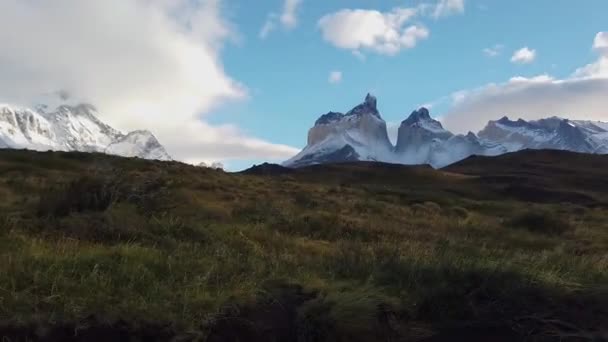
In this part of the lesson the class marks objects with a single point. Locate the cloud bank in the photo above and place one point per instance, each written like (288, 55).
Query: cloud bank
(582, 95)
(151, 64)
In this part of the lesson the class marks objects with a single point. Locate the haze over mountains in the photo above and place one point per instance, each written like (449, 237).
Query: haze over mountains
(361, 135)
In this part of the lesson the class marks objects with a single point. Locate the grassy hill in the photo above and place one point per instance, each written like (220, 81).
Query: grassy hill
(100, 248)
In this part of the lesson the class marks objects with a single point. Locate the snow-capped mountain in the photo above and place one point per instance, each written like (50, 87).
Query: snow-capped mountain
(550, 133)
(361, 134)
(72, 128)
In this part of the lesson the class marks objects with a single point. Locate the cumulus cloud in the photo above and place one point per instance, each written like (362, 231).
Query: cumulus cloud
(582, 95)
(382, 32)
(335, 77)
(601, 41)
(524, 56)
(385, 33)
(493, 51)
(288, 18)
(151, 64)
(448, 7)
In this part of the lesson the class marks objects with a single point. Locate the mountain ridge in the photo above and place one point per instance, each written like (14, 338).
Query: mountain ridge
(423, 140)
(72, 128)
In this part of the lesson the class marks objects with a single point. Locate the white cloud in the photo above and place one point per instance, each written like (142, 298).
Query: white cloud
(582, 95)
(600, 42)
(151, 64)
(448, 7)
(383, 33)
(524, 56)
(335, 77)
(288, 18)
(493, 51)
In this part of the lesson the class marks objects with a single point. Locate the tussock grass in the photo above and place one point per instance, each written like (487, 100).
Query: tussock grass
(302, 257)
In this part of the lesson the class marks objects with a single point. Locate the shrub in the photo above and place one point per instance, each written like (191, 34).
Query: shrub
(459, 212)
(426, 208)
(540, 222)
(84, 194)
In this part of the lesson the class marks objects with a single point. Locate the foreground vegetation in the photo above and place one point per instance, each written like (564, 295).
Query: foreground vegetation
(94, 247)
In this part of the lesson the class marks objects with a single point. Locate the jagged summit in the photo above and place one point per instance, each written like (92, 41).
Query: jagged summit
(361, 134)
(369, 106)
(328, 118)
(421, 114)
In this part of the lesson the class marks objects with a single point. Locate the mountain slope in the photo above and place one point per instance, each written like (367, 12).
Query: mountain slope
(101, 248)
(72, 128)
(360, 135)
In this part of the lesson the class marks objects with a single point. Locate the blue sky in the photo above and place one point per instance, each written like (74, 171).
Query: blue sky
(287, 71)
(242, 81)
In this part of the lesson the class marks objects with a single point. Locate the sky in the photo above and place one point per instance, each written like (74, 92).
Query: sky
(241, 81)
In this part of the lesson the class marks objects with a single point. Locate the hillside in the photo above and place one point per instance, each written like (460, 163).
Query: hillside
(102, 248)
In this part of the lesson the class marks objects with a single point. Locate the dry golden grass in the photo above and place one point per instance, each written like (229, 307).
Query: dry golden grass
(352, 252)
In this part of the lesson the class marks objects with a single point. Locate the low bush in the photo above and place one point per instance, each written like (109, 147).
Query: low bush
(544, 222)
(84, 194)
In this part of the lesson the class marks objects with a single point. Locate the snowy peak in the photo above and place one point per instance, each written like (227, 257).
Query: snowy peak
(420, 115)
(138, 143)
(72, 128)
(418, 136)
(549, 133)
(369, 106)
(22, 126)
(359, 134)
(329, 118)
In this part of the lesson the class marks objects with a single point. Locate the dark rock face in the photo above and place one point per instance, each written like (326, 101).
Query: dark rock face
(421, 114)
(342, 155)
(329, 118)
(369, 106)
(267, 169)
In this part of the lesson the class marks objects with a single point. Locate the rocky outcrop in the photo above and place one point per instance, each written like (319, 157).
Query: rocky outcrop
(360, 134)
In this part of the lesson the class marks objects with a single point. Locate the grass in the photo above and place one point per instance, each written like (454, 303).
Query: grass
(345, 253)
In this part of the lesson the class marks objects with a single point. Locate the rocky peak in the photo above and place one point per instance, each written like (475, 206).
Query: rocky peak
(371, 100)
(471, 136)
(329, 118)
(418, 133)
(507, 122)
(421, 114)
(369, 106)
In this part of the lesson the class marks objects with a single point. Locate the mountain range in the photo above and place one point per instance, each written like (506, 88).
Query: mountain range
(361, 135)
(72, 128)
